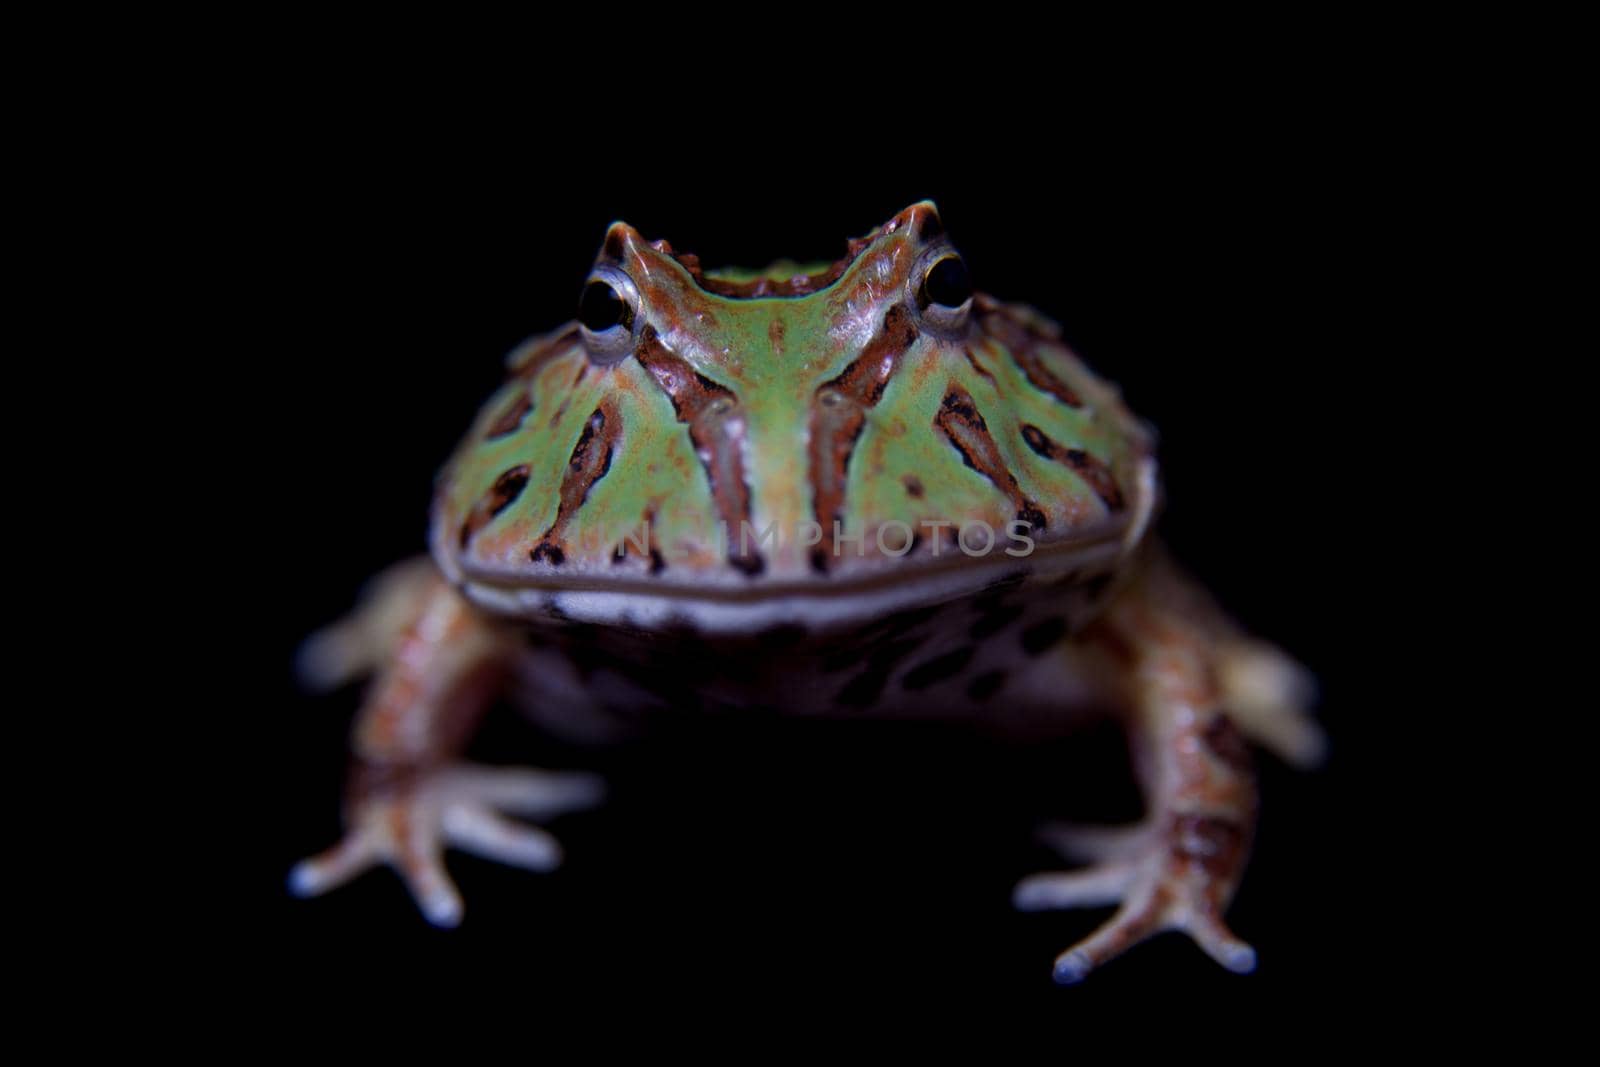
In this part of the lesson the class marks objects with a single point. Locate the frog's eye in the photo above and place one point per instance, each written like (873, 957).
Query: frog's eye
(607, 311)
(944, 292)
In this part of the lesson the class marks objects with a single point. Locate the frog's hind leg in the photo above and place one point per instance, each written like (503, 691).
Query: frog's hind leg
(438, 665)
(1166, 652)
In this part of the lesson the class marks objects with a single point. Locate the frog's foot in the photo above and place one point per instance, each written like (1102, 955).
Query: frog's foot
(407, 821)
(1176, 875)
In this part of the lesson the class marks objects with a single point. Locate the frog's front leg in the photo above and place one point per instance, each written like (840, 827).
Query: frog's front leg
(438, 665)
(1192, 687)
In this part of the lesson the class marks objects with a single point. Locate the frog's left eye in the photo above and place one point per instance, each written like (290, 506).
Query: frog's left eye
(944, 292)
(607, 311)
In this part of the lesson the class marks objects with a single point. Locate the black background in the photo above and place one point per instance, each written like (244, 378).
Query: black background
(1222, 272)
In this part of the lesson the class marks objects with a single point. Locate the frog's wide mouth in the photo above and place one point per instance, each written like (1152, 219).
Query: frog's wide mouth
(748, 606)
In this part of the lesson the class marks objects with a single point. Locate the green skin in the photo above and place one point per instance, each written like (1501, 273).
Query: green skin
(773, 355)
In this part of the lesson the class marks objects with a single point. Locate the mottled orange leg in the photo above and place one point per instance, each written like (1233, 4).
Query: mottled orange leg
(439, 666)
(1167, 652)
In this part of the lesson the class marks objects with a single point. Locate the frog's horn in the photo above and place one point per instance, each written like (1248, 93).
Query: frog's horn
(619, 236)
(921, 218)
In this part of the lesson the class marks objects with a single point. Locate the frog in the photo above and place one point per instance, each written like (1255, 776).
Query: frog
(857, 488)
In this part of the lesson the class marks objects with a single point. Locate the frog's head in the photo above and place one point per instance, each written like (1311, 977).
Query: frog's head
(703, 442)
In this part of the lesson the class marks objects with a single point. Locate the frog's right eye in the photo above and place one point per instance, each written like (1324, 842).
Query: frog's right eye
(607, 311)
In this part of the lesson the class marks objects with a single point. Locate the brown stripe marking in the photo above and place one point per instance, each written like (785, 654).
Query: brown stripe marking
(512, 416)
(1022, 342)
(979, 367)
(1042, 378)
(590, 461)
(717, 431)
(500, 496)
(1091, 469)
(963, 426)
(839, 414)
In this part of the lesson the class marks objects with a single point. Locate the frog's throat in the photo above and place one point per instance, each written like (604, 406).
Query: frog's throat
(741, 607)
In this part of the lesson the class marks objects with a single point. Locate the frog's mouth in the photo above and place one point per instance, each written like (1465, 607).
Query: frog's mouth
(742, 606)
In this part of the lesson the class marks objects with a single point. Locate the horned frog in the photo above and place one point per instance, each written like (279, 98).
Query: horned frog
(859, 489)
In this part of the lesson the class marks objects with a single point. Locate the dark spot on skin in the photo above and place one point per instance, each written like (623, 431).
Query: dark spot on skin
(1030, 514)
(1038, 441)
(657, 563)
(1094, 471)
(1096, 587)
(938, 669)
(995, 620)
(819, 561)
(512, 417)
(985, 685)
(500, 496)
(1090, 468)
(979, 367)
(1212, 842)
(751, 565)
(913, 486)
(1043, 635)
(960, 404)
(1226, 743)
(545, 552)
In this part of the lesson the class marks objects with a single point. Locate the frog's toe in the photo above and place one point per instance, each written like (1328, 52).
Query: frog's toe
(317, 874)
(1150, 903)
(1092, 888)
(463, 807)
(493, 836)
(523, 790)
(1096, 844)
(398, 833)
(1158, 881)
